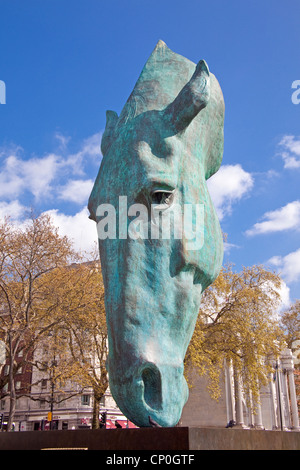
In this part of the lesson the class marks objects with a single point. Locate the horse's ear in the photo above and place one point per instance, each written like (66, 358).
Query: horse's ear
(193, 97)
(108, 135)
(213, 141)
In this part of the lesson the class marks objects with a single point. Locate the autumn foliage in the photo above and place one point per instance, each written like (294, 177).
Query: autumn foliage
(238, 323)
(50, 295)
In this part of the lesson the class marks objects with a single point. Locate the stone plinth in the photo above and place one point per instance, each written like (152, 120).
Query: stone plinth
(152, 439)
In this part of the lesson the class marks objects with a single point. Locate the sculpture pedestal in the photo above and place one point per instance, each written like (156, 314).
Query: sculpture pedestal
(157, 440)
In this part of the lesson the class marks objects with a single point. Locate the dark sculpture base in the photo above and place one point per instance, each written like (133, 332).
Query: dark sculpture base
(152, 439)
(102, 439)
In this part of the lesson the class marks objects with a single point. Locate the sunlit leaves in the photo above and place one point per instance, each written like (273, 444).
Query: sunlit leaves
(238, 322)
(51, 308)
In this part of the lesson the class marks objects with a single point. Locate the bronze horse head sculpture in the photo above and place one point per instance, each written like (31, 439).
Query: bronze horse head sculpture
(157, 155)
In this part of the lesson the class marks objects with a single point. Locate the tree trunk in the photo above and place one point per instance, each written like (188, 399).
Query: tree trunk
(96, 411)
(99, 391)
(12, 397)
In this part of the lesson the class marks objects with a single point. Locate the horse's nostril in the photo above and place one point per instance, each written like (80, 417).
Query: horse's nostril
(152, 386)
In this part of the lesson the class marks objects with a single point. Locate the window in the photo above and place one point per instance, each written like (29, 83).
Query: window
(18, 385)
(44, 383)
(60, 401)
(42, 403)
(85, 400)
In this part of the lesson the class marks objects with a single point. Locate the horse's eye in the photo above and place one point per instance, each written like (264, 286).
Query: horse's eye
(162, 198)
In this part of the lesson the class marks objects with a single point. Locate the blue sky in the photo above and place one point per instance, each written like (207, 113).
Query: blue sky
(64, 63)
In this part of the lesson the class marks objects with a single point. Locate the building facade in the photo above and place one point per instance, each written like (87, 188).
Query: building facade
(34, 412)
(43, 403)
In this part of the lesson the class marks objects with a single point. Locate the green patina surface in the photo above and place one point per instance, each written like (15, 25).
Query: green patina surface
(168, 137)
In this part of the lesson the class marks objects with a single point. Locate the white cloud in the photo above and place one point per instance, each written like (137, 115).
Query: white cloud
(91, 146)
(284, 296)
(49, 177)
(89, 151)
(12, 209)
(230, 184)
(77, 191)
(229, 246)
(284, 293)
(288, 266)
(45, 176)
(62, 139)
(39, 173)
(79, 228)
(290, 152)
(34, 175)
(285, 218)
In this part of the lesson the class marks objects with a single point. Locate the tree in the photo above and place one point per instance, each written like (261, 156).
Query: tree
(290, 321)
(79, 337)
(237, 322)
(27, 255)
(88, 334)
